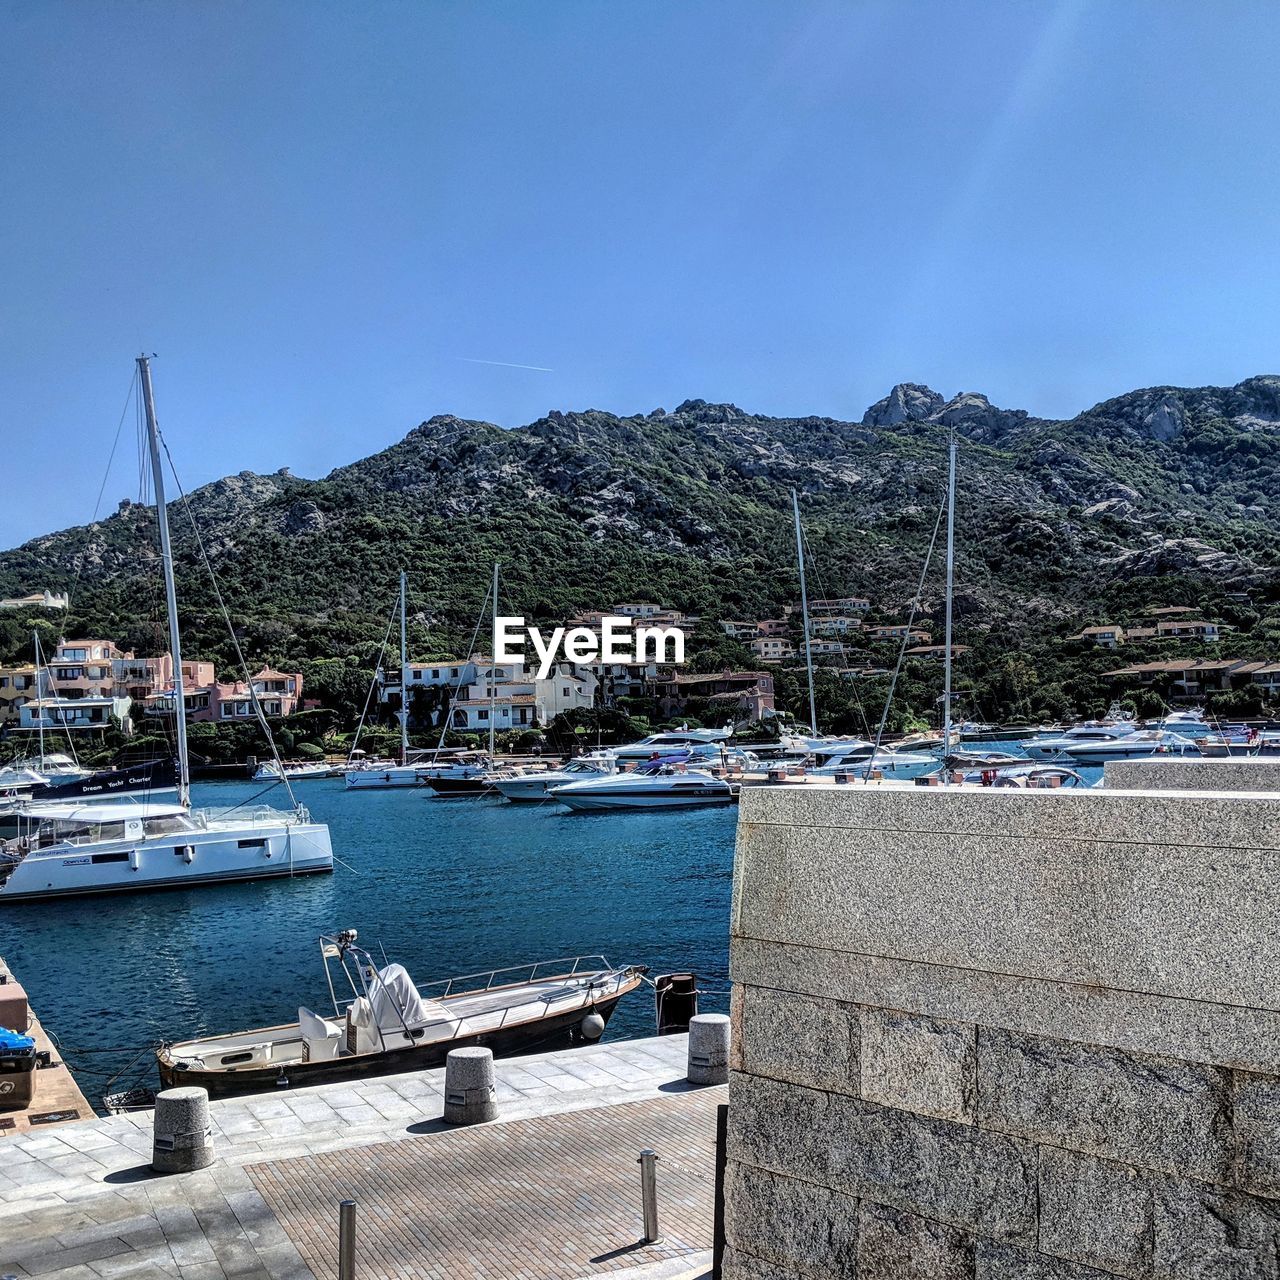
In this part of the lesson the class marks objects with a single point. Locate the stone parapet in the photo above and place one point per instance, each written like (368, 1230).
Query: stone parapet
(979, 1040)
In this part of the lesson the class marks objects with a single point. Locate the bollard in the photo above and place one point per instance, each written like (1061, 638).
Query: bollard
(709, 1048)
(470, 1095)
(182, 1139)
(347, 1240)
(648, 1163)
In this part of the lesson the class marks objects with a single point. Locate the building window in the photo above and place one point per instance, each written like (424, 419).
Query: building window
(482, 715)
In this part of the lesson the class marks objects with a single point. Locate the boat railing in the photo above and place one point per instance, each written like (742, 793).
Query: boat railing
(564, 967)
(243, 816)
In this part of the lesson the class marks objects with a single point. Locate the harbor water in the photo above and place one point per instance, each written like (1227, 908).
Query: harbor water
(445, 886)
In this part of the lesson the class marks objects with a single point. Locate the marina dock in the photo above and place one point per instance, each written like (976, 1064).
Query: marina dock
(58, 1099)
(549, 1191)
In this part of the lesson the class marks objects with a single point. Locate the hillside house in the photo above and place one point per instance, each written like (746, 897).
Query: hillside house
(1106, 636)
(772, 648)
(739, 695)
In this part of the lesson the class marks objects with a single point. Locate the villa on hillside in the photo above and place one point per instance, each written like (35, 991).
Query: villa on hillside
(38, 600)
(739, 695)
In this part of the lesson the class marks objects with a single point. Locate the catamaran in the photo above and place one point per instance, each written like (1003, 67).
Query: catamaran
(93, 847)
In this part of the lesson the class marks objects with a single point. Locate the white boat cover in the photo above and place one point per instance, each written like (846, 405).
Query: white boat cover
(394, 997)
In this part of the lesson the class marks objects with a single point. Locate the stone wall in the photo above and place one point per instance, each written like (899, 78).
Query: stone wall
(1253, 773)
(1000, 1035)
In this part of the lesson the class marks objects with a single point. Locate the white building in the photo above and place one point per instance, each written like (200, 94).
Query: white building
(91, 712)
(508, 696)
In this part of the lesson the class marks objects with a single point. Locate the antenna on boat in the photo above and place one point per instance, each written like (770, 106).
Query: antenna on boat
(493, 664)
(171, 596)
(951, 571)
(404, 677)
(804, 609)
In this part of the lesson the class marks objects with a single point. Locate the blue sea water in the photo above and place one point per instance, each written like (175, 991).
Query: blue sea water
(446, 886)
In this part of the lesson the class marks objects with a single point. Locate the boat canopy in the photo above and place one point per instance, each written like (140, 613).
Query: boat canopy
(396, 1001)
(119, 811)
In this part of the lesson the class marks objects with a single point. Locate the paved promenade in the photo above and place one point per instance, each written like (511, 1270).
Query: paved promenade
(547, 1185)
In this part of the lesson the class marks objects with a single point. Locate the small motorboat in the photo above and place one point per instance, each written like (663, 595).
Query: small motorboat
(387, 1024)
(665, 783)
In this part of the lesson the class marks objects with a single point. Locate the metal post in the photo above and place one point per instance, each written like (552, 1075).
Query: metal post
(404, 676)
(347, 1240)
(717, 1226)
(648, 1163)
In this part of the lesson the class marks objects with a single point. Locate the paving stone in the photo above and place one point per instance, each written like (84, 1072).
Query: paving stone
(1256, 1116)
(1202, 1233)
(1156, 1113)
(902, 1246)
(791, 1223)
(1008, 1262)
(47, 1260)
(919, 1064)
(1096, 1212)
(794, 1038)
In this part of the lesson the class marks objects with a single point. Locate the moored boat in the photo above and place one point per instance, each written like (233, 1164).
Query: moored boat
(663, 784)
(387, 1024)
(534, 785)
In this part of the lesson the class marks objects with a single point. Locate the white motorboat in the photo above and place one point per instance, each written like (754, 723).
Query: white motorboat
(379, 774)
(295, 771)
(663, 785)
(1190, 724)
(670, 740)
(861, 759)
(44, 770)
(534, 785)
(1139, 745)
(121, 847)
(1058, 746)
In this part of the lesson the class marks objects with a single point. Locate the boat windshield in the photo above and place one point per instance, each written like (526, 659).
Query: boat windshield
(61, 831)
(168, 824)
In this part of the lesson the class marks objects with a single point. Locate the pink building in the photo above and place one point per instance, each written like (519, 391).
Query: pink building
(83, 668)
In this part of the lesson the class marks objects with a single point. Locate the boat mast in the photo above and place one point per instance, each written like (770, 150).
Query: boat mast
(951, 572)
(493, 664)
(35, 641)
(404, 677)
(804, 609)
(170, 591)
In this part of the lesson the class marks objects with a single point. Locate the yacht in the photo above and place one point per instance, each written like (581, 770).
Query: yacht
(387, 1024)
(120, 847)
(84, 848)
(1190, 724)
(534, 785)
(862, 759)
(1138, 745)
(670, 740)
(146, 781)
(1094, 733)
(43, 770)
(666, 783)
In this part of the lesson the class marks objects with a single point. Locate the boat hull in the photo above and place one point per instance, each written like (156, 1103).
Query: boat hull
(461, 786)
(561, 1031)
(161, 862)
(602, 801)
(380, 779)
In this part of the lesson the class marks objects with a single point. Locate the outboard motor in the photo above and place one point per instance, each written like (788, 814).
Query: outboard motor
(676, 999)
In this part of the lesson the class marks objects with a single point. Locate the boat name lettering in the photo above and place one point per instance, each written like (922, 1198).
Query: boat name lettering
(618, 640)
(75, 862)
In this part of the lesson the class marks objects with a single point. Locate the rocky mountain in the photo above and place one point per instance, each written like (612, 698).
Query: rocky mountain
(1158, 493)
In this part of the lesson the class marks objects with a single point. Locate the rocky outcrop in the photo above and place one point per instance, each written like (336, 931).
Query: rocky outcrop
(907, 402)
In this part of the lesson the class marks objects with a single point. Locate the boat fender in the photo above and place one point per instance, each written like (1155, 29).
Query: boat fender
(135, 860)
(188, 854)
(592, 1026)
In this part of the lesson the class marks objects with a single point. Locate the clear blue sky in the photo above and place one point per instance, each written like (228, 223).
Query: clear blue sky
(319, 213)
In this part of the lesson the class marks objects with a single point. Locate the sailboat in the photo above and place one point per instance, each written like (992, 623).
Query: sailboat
(380, 774)
(476, 778)
(847, 757)
(128, 844)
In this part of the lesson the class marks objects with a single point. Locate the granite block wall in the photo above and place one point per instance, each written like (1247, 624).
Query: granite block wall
(989, 1035)
(1247, 773)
